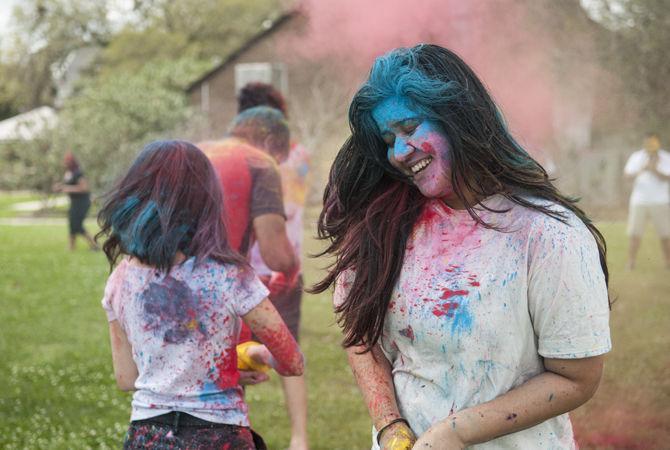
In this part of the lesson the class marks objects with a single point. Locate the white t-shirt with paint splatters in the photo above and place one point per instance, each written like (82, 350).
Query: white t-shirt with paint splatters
(183, 329)
(475, 310)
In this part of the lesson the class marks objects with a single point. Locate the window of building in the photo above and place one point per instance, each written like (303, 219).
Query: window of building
(271, 73)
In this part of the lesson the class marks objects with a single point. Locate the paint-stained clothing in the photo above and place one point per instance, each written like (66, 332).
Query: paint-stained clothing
(475, 310)
(251, 186)
(156, 436)
(294, 172)
(183, 329)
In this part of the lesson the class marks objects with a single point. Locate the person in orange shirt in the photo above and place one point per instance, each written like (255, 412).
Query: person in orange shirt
(294, 173)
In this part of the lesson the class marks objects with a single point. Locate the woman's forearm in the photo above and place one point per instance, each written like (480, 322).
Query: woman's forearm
(373, 375)
(542, 397)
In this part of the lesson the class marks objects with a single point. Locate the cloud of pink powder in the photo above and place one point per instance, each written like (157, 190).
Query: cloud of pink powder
(492, 36)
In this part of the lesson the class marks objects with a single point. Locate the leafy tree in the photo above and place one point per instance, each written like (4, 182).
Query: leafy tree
(44, 33)
(114, 116)
(133, 94)
(30, 164)
(104, 125)
(210, 27)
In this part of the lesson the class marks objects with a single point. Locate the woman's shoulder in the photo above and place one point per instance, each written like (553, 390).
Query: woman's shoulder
(556, 223)
(553, 212)
(116, 277)
(209, 266)
(121, 267)
(213, 269)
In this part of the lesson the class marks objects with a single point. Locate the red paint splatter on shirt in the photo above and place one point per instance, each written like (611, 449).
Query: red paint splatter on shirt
(448, 293)
(445, 309)
(227, 375)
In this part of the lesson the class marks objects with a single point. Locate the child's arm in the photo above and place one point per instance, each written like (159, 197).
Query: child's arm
(125, 369)
(267, 325)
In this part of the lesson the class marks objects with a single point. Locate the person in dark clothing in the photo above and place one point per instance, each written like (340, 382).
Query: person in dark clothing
(76, 187)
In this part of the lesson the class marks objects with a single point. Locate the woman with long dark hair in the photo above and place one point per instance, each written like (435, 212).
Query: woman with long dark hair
(472, 294)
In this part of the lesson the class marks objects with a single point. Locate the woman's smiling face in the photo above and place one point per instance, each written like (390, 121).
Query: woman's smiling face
(418, 147)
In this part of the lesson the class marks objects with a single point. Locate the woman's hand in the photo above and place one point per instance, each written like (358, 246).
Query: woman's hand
(250, 377)
(397, 437)
(441, 436)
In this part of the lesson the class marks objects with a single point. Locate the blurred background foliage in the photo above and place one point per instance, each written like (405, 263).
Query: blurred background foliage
(134, 89)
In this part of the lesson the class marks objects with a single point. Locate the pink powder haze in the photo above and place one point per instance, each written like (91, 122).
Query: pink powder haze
(493, 37)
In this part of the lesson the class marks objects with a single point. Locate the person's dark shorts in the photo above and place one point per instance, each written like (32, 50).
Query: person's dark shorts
(289, 307)
(79, 207)
(182, 431)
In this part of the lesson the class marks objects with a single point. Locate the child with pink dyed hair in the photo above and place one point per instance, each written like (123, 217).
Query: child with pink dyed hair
(176, 301)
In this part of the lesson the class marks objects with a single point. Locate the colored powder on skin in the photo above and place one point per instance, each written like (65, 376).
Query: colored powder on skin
(401, 440)
(284, 348)
(428, 148)
(428, 216)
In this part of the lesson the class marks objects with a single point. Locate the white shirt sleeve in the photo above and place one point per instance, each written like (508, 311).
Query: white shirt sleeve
(246, 291)
(635, 162)
(107, 304)
(663, 165)
(567, 294)
(109, 299)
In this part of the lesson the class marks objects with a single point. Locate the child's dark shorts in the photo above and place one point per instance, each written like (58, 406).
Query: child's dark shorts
(178, 430)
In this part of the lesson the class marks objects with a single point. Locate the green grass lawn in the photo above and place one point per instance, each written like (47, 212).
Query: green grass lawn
(8, 199)
(57, 389)
(48, 209)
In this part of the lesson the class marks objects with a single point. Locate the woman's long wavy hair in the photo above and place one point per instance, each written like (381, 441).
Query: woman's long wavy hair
(169, 201)
(370, 207)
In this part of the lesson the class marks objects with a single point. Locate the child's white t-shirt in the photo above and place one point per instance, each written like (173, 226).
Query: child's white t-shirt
(183, 329)
(475, 310)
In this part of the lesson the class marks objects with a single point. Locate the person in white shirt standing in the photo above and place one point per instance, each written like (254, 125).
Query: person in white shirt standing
(650, 199)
